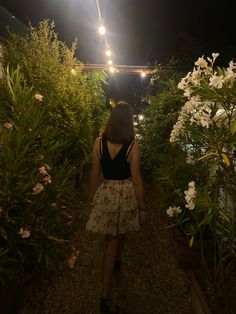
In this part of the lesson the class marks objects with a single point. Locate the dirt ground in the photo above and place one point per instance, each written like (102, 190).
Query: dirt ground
(151, 281)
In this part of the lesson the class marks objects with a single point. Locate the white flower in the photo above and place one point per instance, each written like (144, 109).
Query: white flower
(230, 75)
(172, 210)
(191, 160)
(215, 55)
(216, 81)
(24, 233)
(201, 62)
(38, 188)
(8, 125)
(38, 96)
(190, 195)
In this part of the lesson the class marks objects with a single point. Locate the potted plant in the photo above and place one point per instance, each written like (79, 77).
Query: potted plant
(205, 131)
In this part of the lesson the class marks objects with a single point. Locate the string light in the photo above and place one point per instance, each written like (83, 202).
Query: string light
(111, 69)
(102, 30)
(108, 52)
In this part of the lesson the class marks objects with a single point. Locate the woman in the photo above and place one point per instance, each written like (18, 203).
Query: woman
(118, 203)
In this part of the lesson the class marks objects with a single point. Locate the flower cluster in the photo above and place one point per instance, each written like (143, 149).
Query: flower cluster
(190, 195)
(199, 112)
(24, 233)
(38, 96)
(173, 210)
(198, 109)
(44, 171)
(8, 125)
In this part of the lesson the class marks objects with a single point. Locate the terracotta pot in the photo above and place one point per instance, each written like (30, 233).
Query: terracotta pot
(198, 298)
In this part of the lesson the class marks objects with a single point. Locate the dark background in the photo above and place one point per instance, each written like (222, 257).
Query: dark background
(139, 32)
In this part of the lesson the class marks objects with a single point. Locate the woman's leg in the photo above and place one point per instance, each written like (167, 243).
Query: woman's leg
(109, 258)
(121, 244)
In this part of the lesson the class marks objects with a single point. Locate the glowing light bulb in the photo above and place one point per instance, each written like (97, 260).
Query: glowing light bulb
(143, 74)
(108, 52)
(141, 117)
(109, 62)
(102, 30)
(112, 70)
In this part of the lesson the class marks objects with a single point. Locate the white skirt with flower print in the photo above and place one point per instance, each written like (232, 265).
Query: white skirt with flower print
(115, 208)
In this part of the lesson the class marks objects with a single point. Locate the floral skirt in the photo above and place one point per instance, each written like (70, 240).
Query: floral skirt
(115, 208)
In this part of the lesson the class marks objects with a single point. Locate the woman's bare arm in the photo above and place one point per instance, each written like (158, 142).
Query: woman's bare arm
(135, 175)
(95, 172)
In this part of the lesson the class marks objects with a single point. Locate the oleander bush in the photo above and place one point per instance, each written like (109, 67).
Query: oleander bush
(50, 113)
(74, 99)
(36, 196)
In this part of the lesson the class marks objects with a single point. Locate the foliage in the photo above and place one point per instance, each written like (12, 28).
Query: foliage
(205, 130)
(74, 100)
(36, 191)
(161, 160)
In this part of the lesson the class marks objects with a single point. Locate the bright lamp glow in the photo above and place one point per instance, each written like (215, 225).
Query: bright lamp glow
(143, 74)
(141, 117)
(112, 70)
(108, 52)
(101, 30)
(109, 62)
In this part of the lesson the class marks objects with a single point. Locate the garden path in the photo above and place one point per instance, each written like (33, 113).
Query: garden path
(151, 282)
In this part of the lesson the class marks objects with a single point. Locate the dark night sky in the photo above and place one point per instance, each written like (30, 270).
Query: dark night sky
(140, 32)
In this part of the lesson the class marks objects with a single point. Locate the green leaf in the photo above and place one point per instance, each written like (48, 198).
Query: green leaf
(233, 127)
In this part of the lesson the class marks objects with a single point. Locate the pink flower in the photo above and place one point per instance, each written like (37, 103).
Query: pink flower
(72, 259)
(24, 233)
(47, 179)
(38, 188)
(38, 96)
(8, 125)
(43, 171)
(68, 219)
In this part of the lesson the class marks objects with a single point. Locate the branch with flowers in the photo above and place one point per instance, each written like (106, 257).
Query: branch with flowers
(205, 130)
(36, 197)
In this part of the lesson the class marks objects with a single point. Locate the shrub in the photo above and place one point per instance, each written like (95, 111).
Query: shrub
(36, 191)
(74, 100)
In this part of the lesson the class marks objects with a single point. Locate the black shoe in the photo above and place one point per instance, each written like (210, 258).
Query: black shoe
(106, 308)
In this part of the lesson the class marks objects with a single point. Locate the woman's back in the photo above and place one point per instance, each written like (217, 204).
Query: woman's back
(114, 163)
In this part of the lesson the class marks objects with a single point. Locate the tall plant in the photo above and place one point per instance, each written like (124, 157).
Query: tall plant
(161, 160)
(205, 130)
(36, 191)
(74, 100)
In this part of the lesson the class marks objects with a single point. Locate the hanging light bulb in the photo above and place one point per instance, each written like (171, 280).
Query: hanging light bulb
(108, 52)
(109, 62)
(102, 30)
(111, 69)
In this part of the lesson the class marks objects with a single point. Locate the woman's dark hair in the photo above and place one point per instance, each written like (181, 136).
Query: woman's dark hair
(119, 128)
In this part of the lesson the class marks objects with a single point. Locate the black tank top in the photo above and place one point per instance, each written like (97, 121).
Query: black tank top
(117, 168)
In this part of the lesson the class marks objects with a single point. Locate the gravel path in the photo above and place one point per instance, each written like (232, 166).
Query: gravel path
(151, 281)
